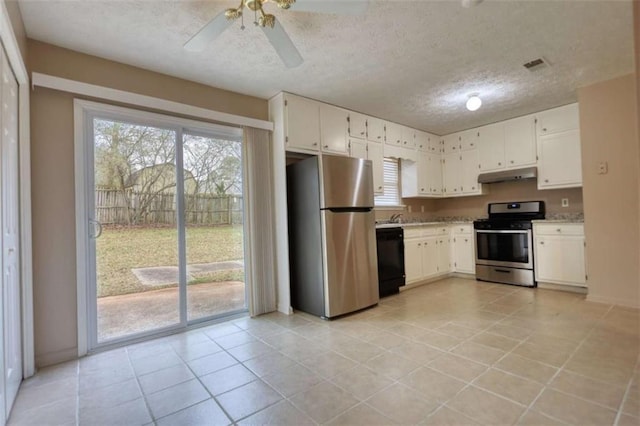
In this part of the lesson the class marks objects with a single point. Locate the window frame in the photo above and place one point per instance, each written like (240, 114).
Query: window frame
(380, 203)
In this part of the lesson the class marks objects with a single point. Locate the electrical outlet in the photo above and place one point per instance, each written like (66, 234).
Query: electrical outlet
(409, 208)
(603, 168)
(565, 202)
(422, 209)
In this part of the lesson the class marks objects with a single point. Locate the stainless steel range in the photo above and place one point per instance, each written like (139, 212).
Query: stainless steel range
(504, 248)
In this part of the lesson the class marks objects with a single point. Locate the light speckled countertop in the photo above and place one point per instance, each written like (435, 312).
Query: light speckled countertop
(427, 222)
(562, 218)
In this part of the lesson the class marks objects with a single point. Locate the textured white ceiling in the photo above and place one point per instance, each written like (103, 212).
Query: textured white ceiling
(413, 62)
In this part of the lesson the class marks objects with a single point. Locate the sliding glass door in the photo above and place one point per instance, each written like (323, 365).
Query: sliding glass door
(166, 220)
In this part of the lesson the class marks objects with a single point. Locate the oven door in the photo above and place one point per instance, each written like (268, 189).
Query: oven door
(509, 248)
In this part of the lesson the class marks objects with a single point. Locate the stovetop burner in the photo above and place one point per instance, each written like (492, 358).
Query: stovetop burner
(513, 215)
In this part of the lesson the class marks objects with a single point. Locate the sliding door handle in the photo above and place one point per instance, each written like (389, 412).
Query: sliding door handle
(97, 229)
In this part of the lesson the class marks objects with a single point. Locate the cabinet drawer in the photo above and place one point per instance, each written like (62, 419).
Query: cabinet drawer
(462, 229)
(412, 233)
(559, 229)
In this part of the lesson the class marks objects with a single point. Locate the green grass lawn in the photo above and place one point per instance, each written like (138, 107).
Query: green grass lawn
(121, 249)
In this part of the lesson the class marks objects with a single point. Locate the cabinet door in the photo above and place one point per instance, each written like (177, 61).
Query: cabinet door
(435, 173)
(560, 259)
(451, 143)
(451, 174)
(413, 260)
(333, 129)
(393, 133)
(558, 120)
(559, 163)
(520, 141)
(491, 146)
(468, 139)
(302, 123)
(375, 154)
(444, 255)
(408, 137)
(358, 148)
(464, 254)
(435, 144)
(375, 129)
(357, 125)
(469, 170)
(430, 257)
(422, 141)
(423, 174)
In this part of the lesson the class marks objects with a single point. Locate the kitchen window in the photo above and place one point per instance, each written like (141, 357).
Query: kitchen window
(391, 196)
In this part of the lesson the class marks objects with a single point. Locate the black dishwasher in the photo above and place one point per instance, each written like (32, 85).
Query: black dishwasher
(391, 276)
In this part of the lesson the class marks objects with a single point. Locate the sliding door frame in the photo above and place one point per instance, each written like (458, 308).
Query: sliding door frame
(84, 113)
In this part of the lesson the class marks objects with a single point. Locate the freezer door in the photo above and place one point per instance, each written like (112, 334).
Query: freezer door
(351, 274)
(346, 182)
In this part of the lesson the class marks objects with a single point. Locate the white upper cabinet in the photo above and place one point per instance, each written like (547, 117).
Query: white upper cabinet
(451, 143)
(302, 123)
(408, 137)
(468, 139)
(375, 154)
(559, 150)
(558, 120)
(422, 141)
(491, 146)
(393, 133)
(520, 141)
(451, 175)
(435, 144)
(357, 125)
(357, 148)
(333, 129)
(434, 174)
(375, 129)
(469, 170)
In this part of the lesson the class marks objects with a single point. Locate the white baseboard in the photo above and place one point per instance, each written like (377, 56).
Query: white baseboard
(56, 357)
(569, 288)
(287, 310)
(613, 301)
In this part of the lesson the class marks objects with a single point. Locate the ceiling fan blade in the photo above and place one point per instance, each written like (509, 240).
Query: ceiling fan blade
(208, 33)
(337, 7)
(285, 48)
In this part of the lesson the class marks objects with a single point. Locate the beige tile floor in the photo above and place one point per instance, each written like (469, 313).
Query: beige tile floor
(453, 352)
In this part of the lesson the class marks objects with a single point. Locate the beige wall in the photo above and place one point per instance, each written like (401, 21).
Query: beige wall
(496, 192)
(52, 165)
(18, 27)
(608, 128)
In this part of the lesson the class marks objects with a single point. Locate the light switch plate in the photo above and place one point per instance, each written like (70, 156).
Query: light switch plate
(603, 168)
(565, 202)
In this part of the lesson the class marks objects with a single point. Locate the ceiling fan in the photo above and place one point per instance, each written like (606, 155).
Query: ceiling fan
(276, 34)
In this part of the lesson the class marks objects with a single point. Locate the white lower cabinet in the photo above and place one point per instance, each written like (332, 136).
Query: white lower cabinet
(464, 249)
(559, 253)
(427, 252)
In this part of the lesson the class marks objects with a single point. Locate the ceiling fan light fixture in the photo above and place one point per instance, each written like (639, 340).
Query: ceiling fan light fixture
(474, 103)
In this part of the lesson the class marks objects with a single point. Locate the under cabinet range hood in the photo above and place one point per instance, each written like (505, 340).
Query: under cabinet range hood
(507, 175)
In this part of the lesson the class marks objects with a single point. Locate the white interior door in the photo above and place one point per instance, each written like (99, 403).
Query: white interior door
(10, 236)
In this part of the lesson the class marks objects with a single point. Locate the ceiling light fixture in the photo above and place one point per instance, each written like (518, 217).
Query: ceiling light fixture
(470, 3)
(473, 103)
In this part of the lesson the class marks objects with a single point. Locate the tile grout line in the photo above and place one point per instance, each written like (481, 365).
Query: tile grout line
(561, 368)
(625, 396)
(144, 397)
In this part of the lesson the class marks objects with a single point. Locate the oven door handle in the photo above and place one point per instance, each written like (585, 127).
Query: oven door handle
(496, 231)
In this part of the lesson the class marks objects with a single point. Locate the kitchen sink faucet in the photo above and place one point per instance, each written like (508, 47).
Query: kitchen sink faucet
(395, 218)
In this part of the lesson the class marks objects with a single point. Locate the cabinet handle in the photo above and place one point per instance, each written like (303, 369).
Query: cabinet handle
(422, 189)
(315, 144)
(379, 187)
(558, 230)
(379, 137)
(473, 187)
(499, 163)
(419, 244)
(465, 240)
(546, 181)
(544, 129)
(362, 133)
(405, 142)
(326, 146)
(511, 161)
(471, 144)
(541, 243)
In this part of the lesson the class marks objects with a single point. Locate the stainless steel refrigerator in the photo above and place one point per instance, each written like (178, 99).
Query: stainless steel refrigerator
(332, 236)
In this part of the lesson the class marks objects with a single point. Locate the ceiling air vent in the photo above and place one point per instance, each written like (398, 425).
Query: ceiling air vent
(536, 64)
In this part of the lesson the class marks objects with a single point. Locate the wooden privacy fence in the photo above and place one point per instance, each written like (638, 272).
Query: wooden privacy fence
(115, 207)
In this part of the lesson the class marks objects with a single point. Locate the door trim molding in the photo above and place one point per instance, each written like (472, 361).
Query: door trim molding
(144, 101)
(10, 43)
